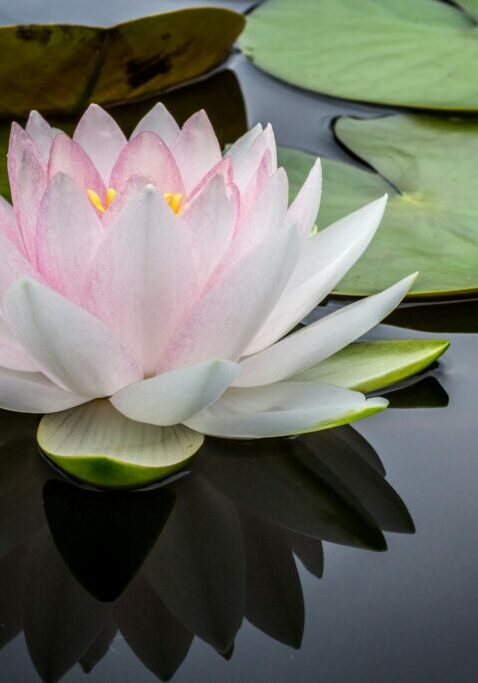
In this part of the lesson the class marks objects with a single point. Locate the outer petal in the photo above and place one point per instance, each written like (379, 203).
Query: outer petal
(27, 192)
(31, 392)
(281, 409)
(172, 398)
(8, 224)
(209, 220)
(42, 135)
(303, 210)
(247, 153)
(101, 138)
(142, 278)
(68, 157)
(68, 233)
(196, 149)
(158, 120)
(14, 264)
(72, 348)
(320, 340)
(147, 155)
(12, 355)
(224, 321)
(19, 142)
(324, 260)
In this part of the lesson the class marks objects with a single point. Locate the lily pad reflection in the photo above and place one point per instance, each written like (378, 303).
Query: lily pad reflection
(193, 558)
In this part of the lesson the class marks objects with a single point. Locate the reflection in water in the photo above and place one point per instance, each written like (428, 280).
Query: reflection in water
(193, 557)
(438, 316)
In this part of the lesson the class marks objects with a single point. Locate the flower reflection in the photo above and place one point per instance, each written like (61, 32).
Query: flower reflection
(193, 558)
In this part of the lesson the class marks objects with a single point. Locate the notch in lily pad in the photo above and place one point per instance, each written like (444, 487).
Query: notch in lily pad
(430, 225)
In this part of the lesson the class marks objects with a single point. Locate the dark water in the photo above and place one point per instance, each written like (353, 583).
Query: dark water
(197, 580)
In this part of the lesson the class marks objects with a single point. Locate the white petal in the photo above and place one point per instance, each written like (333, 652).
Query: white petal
(303, 210)
(281, 409)
(158, 120)
(101, 138)
(320, 340)
(224, 321)
(266, 216)
(324, 259)
(32, 392)
(73, 348)
(173, 397)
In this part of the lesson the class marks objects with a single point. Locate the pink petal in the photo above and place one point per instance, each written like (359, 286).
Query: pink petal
(72, 347)
(257, 183)
(225, 320)
(8, 224)
(224, 168)
(68, 157)
(196, 149)
(14, 264)
(27, 194)
(247, 153)
(101, 138)
(42, 135)
(158, 120)
(19, 142)
(209, 221)
(147, 155)
(142, 277)
(68, 233)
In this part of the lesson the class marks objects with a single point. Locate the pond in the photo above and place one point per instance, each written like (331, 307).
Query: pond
(349, 556)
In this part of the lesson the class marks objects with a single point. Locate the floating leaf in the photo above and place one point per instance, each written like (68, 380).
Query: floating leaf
(368, 366)
(62, 68)
(380, 51)
(427, 166)
(96, 444)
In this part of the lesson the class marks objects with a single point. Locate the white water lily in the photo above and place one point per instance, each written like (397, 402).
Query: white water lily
(163, 277)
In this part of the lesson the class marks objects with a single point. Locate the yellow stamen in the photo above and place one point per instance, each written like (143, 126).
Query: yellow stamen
(110, 195)
(96, 201)
(174, 201)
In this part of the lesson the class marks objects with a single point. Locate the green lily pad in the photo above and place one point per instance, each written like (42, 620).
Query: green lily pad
(414, 53)
(427, 166)
(61, 68)
(220, 95)
(368, 366)
(97, 445)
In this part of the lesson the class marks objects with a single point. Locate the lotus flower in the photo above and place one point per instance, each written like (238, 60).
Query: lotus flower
(164, 277)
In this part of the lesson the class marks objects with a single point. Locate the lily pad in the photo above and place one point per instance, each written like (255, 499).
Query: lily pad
(61, 68)
(97, 445)
(369, 366)
(427, 166)
(414, 53)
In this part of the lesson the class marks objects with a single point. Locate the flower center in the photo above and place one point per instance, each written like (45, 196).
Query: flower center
(174, 200)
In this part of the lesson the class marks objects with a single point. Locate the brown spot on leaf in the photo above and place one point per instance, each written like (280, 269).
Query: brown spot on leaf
(39, 34)
(140, 71)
